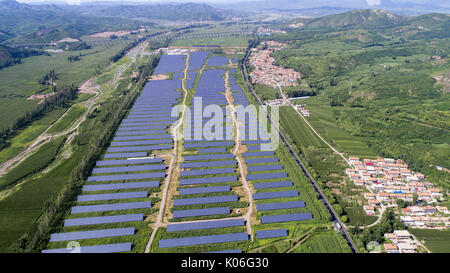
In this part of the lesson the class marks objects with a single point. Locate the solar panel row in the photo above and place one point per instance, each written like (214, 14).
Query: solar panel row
(271, 233)
(121, 186)
(205, 225)
(110, 248)
(200, 212)
(280, 205)
(203, 240)
(110, 207)
(277, 194)
(125, 176)
(207, 180)
(198, 190)
(82, 235)
(112, 196)
(286, 218)
(205, 200)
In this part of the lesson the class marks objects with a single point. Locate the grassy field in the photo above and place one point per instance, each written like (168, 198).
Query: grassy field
(356, 216)
(68, 120)
(21, 209)
(32, 164)
(435, 240)
(20, 81)
(323, 242)
(27, 136)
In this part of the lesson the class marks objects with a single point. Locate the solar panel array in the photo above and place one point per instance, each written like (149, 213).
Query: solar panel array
(205, 225)
(217, 61)
(82, 235)
(197, 190)
(205, 200)
(269, 185)
(277, 194)
(280, 205)
(110, 248)
(144, 130)
(203, 240)
(197, 59)
(200, 212)
(271, 233)
(286, 218)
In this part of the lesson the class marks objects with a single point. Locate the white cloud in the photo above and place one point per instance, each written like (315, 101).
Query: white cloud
(373, 2)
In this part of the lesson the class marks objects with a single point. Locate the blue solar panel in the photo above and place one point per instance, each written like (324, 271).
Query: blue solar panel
(203, 240)
(112, 196)
(217, 61)
(281, 205)
(129, 169)
(194, 181)
(142, 128)
(266, 176)
(261, 160)
(143, 137)
(141, 142)
(211, 151)
(207, 164)
(197, 59)
(82, 235)
(276, 194)
(103, 220)
(207, 172)
(205, 225)
(264, 168)
(110, 248)
(170, 63)
(207, 157)
(286, 218)
(205, 200)
(111, 207)
(268, 185)
(200, 212)
(137, 133)
(125, 176)
(129, 161)
(209, 144)
(265, 153)
(197, 190)
(125, 155)
(140, 148)
(120, 186)
(271, 233)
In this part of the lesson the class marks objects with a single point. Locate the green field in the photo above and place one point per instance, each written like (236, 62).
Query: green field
(323, 242)
(27, 136)
(20, 81)
(32, 164)
(435, 240)
(357, 216)
(69, 119)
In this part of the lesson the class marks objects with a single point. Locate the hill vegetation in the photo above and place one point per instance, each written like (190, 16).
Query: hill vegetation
(384, 79)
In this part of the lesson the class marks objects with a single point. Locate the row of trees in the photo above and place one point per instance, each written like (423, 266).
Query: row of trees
(58, 99)
(48, 78)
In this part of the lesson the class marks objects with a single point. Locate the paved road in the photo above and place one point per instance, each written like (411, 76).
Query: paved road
(305, 171)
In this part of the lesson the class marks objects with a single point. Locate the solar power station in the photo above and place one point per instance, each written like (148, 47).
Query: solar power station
(209, 195)
(118, 190)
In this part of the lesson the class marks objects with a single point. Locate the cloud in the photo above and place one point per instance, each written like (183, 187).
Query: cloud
(374, 2)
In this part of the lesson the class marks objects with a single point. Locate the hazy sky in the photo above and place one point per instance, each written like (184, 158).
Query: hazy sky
(370, 2)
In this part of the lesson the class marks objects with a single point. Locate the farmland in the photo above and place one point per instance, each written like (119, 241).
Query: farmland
(435, 240)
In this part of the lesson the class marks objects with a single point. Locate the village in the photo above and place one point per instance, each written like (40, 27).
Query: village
(391, 184)
(265, 72)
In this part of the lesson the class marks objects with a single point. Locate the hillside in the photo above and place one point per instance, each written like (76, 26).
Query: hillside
(357, 18)
(10, 56)
(169, 12)
(21, 23)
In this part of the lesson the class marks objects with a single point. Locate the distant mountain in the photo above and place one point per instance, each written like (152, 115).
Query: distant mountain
(170, 12)
(407, 7)
(21, 23)
(359, 18)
